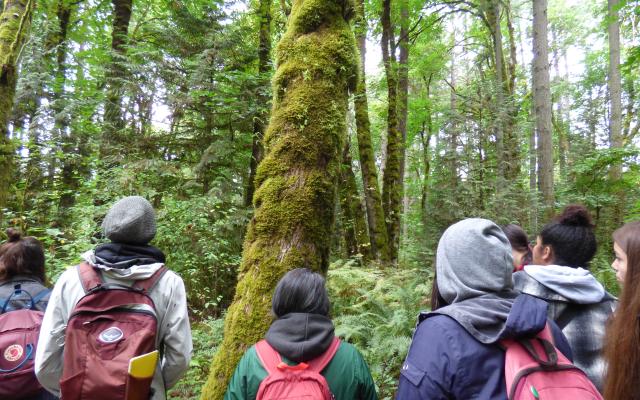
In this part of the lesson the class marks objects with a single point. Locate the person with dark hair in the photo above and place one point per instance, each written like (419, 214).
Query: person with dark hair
(578, 303)
(302, 332)
(520, 248)
(456, 351)
(22, 285)
(622, 349)
(127, 260)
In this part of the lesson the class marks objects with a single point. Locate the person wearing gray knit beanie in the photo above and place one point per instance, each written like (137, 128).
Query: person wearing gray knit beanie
(130, 220)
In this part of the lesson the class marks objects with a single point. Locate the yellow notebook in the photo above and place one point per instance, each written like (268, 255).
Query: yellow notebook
(143, 366)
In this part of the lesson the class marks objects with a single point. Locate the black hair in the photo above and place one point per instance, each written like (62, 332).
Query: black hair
(21, 256)
(303, 291)
(519, 240)
(571, 237)
(437, 301)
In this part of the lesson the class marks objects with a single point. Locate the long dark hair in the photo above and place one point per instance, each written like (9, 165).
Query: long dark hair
(571, 237)
(301, 290)
(622, 347)
(437, 301)
(21, 256)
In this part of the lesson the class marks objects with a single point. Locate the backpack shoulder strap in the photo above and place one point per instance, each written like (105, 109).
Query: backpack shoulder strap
(43, 293)
(319, 363)
(146, 285)
(89, 277)
(268, 356)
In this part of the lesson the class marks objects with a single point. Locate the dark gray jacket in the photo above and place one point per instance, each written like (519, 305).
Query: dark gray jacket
(581, 316)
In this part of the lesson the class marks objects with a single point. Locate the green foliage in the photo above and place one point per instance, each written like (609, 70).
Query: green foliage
(376, 310)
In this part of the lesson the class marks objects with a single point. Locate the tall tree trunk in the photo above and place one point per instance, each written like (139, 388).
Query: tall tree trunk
(615, 120)
(354, 225)
(373, 201)
(493, 17)
(403, 107)
(391, 183)
(264, 66)
(15, 21)
(510, 134)
(296, 181)
(116, 72)
(542, 100)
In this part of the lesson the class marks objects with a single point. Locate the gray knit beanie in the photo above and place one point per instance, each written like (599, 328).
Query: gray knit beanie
(473, 259)
(131, 220)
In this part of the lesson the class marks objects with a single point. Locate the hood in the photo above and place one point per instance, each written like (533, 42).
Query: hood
(300, 337)
(473, 259)
(133, 272)
(575, 285)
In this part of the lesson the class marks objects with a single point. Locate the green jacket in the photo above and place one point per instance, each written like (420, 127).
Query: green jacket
(347, 375)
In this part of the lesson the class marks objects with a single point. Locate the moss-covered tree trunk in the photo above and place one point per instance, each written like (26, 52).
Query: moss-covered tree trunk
(15, 21)
(615, 119)
(354, 225)
(373, 201)
(113, 119)
(296, 180)
(391, 182)
(264, 66)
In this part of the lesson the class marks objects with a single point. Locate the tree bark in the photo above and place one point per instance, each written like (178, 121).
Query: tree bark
(264, 66)
(296, 181)
(354, 225)
(116, 72)
(542, 101)
(373, 201)
(493, 17)
(15, 21)
(615, 119)
(391, 183)
(403, 109)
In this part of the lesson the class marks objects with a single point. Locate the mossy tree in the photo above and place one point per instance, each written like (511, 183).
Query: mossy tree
(353, 216)
(375, 213)
(296, 180)
(15, 21)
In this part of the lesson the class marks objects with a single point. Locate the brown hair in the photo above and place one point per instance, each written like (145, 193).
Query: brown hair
(622, 347)
(21, 256)
(518, 240)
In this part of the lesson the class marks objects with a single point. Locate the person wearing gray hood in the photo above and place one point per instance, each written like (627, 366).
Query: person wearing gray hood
(455, 352)
(578, 303)
(130, 224)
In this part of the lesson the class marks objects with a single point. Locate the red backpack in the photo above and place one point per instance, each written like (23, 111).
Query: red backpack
(19, 331)
(111, 324)
(535, 369)
(302, 381)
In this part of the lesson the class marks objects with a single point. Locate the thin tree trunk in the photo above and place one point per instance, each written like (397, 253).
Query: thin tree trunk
(15, 21)
(391, 196)
(116, 72)
(264, 66)
(403, 108)
(542, 100)
(615, 119)
(296, 181)
(493, 16)
(373, 201)
(354, 225)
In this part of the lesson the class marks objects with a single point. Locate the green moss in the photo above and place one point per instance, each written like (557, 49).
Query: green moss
(296, 180)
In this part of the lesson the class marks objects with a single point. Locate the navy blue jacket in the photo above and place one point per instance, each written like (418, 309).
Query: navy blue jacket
(446, 362)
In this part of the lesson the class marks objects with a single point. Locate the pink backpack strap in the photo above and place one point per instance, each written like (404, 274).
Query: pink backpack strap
(268, 356)
(320, 362)
(89, 277)
(148, 284)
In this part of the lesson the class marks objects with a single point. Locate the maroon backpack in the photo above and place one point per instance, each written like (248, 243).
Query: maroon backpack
(536, 369)
(302, 381)
(19, 331)
(111, 324)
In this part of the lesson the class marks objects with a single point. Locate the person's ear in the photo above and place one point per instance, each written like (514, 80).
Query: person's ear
(547, 254)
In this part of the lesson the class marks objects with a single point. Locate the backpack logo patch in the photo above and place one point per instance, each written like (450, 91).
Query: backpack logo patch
(13, 353)
(111, 335)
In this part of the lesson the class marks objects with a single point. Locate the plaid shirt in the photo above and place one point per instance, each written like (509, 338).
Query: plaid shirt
(584, 325)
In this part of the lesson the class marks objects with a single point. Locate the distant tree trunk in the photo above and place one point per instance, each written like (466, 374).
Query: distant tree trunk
(116, 72)
(403, 108)
(510, 134)
(354, 225)
(15, 21)
(542, 100)
(615, 119)
(493, 17)
(264, 66)
(375, 212)
(391, 183)
(296, 181)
